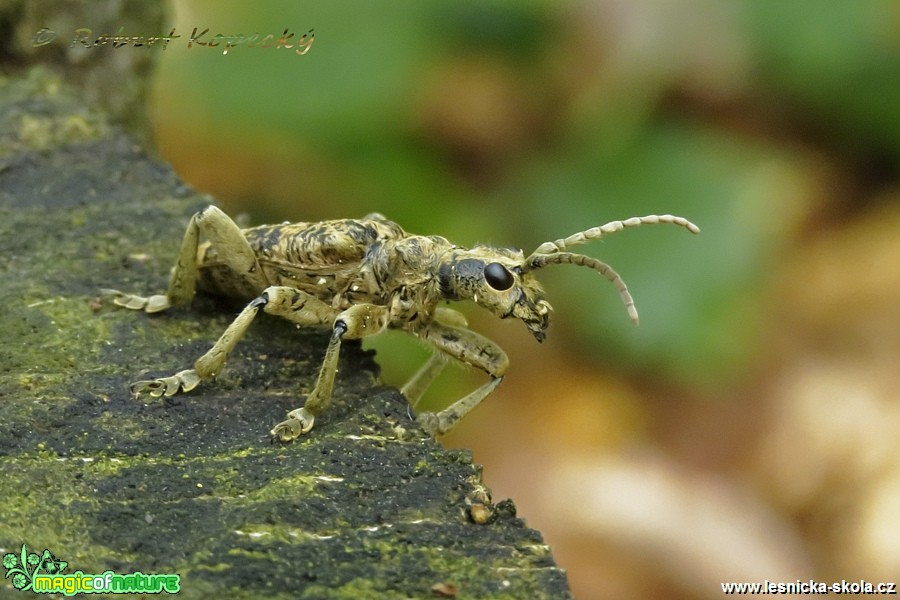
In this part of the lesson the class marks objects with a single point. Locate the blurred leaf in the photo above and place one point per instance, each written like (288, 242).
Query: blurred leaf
(700, 298)
(838, 63)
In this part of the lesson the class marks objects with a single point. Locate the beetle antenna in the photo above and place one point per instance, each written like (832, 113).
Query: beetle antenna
(555, 252)
(570, 258)
(595, 233)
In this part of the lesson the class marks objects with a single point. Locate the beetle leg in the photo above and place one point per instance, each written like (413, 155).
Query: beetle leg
(225, 236)
(207, 365)
(419, 383)
(286, 302)
(360, 320)
(472, 349)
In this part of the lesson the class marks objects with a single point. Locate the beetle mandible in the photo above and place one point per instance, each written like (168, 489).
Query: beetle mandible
(359, 277)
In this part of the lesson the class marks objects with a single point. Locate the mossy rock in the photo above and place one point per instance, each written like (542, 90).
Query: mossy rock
(367, 505)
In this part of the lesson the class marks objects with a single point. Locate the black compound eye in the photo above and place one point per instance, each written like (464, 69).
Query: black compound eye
(498, 277)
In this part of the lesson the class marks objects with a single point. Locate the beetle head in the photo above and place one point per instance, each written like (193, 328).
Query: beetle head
(495, 279)
(502, 280)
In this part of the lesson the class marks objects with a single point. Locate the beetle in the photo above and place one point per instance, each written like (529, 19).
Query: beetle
(359, 277)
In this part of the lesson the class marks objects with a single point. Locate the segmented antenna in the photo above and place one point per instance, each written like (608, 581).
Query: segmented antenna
(604, 269)
(555, 252)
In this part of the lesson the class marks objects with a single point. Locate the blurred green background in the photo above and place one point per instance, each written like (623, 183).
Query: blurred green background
(775, 126)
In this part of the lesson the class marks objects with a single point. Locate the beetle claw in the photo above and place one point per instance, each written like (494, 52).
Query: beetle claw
(299, 421)
(183, 381)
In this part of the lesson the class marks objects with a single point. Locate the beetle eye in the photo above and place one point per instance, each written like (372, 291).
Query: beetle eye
(498, 277)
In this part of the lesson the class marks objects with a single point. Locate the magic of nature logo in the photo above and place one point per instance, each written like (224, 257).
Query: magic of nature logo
(45, 574)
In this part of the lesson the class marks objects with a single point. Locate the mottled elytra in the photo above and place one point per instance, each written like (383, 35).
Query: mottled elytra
(359, 277)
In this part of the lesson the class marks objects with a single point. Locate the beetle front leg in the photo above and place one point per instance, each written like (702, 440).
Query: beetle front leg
(473, 349)
(360, 320)
(419, 383)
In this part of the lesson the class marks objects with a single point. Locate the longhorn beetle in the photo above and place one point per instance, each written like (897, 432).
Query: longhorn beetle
(358, 278)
